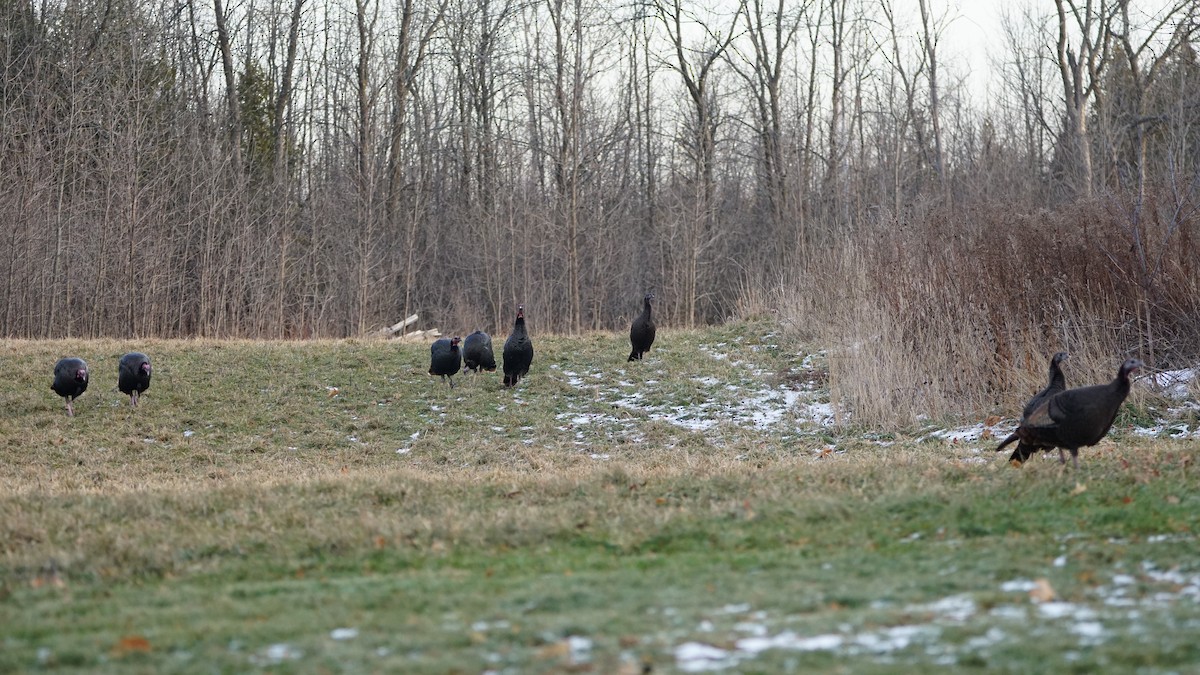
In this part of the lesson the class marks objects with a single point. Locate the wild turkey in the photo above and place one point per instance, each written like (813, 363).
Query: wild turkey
(133, 375)
(1076, 417)
(70, 380)
(445, 359)
(641, 333)
(477, 352)
(518, 351)
(1057, 383)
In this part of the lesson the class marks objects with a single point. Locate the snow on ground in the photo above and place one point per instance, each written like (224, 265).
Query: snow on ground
(762, 401)
(1127, 600)
(1173, 383)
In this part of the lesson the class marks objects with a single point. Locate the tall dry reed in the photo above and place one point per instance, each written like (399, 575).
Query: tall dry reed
(943, 313)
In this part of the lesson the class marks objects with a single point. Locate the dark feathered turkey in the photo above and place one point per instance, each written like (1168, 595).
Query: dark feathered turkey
(518, 351)
(477, 352)
(70, 380)
(641, 333)
(133, 375)
(445, 358)
(1057, 383)
(1076, 418)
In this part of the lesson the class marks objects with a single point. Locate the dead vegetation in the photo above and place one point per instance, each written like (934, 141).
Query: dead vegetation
(950, 313)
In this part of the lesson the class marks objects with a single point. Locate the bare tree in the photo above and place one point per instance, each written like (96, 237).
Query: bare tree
(695, 68)
(1080, 67)
(771, 31)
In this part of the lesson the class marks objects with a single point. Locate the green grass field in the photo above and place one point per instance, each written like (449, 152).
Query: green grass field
(330, 507)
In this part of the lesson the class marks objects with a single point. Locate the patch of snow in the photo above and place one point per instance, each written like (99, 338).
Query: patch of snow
(992, 637)
(1018, 586)
(697, 657)
(1060, 561)
(403, 451)
(580, 648)
(278, 653)
(1010, 612)
(188, 433)
(894, 639)
(756, 629)
(1091, 632)
(789, 640)
(1173, 383)
(972, 433)
(343, 633)
(954, 607)
(1058, 609)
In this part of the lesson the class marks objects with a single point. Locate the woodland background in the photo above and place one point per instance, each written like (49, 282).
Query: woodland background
(322, 168)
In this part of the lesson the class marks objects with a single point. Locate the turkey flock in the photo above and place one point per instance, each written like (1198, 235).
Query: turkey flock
(71, 378)
(1055, 418)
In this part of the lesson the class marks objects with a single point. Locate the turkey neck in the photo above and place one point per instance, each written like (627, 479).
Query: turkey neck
(1057, 379)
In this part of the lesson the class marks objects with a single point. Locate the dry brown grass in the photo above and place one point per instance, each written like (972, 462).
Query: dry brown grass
(948, 314)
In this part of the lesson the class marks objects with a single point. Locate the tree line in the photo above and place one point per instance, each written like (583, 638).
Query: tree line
(322, 168)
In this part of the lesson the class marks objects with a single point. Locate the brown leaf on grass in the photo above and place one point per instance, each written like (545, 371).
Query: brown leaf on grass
(1042, 591)
(131, 644)
(991, 420)
(986, 434)
(380, 542)
(555, 650)
(1172, 499)
(1080, 488)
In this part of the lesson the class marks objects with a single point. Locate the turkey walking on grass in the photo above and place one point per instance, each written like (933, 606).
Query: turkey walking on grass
(70, 380)
(641, 333)
(133, 375)
(477, 352)
(1075, 418)
(518, 351)
(445, 358)
(1058, 383)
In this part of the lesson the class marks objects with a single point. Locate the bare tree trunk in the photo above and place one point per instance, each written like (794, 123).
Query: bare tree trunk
(930, 34)
(1080, 72)
(283, 98)
(231, 90)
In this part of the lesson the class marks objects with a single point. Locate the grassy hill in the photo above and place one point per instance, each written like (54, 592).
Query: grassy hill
(329, 506)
